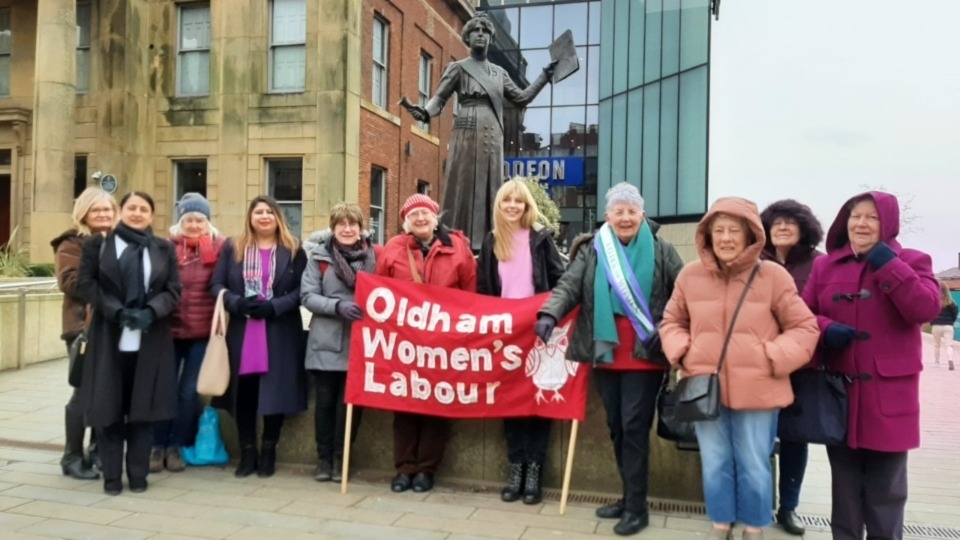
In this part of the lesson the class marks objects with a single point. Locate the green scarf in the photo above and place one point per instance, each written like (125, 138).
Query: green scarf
(640, 259)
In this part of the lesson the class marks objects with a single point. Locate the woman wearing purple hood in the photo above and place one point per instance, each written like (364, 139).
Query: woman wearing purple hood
(793, 234)
(870, 296)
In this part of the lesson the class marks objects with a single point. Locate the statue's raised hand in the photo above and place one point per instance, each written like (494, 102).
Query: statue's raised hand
(419, 114)
(548, 69)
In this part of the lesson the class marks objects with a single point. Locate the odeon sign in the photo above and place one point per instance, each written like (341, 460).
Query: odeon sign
(564, 171)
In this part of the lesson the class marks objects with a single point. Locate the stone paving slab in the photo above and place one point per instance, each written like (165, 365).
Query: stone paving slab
(318, 509)
(71, 512)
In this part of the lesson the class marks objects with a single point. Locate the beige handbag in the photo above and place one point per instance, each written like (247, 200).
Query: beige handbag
(215, 370)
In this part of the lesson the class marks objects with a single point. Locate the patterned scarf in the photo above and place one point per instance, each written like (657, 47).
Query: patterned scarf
(253, 273)
(348, 260)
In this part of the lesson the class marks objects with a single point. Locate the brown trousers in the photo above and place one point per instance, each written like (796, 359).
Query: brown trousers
(418, 442)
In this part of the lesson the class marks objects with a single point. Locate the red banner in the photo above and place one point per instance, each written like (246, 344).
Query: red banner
(445, 352)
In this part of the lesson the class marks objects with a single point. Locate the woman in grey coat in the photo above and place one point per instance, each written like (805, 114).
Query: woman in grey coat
(335, 256)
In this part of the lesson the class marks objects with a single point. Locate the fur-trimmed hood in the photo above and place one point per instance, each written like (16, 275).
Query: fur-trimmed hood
(811, 232)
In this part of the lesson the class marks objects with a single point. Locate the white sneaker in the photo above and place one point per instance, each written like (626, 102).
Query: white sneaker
(936, 363)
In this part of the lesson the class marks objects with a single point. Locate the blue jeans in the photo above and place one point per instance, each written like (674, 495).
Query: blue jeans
(180, 431)
(735, 452)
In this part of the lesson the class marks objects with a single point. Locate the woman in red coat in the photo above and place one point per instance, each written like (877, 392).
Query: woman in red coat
(428, 253)
(198, 245)
(870, 296)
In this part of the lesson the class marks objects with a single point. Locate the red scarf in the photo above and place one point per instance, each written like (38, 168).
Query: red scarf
(188, 247)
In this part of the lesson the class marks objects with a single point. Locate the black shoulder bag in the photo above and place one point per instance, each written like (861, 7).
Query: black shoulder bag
(697, 397)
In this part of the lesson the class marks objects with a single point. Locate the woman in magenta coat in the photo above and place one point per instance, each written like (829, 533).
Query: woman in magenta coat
(870, 296)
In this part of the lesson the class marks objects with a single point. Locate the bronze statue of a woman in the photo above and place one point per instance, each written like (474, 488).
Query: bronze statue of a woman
(475, 161)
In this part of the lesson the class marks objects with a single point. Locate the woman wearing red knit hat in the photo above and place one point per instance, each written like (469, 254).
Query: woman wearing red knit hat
(427, 253)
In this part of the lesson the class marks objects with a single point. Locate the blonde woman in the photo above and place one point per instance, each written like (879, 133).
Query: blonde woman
(261, 271)
(518, 259)
(94, 212)
(942, 326)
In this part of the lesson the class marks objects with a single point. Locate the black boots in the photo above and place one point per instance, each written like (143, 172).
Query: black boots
(790, 521)
(248, 461)
(610, 511)
(268, 459)
(336, 470)
(531, 484)
(511, 492)
(631, 523)
(73, 464)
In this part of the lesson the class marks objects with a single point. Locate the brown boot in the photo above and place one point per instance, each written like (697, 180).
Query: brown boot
(156, 459)
(175, 460)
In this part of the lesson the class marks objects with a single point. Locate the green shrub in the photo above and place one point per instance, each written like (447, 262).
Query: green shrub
(42, 270)
(14, 259)
(549, 213)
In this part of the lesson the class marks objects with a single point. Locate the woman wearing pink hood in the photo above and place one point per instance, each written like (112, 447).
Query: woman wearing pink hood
(870, 296)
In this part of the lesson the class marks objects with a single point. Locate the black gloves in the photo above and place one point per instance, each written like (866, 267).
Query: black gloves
(261, 310)
(880, 255)
(349, 310)
(245, 305)
(544, 327)
(839, 335)
(137, 319)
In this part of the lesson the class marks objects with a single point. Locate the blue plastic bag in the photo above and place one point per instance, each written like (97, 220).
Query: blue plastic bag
(208, 448)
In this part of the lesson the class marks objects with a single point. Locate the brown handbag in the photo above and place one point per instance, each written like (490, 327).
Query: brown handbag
(214, 377)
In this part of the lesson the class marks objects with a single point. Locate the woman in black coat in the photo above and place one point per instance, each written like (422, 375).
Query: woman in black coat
(260, 271)
(518, 259)
(131, 279)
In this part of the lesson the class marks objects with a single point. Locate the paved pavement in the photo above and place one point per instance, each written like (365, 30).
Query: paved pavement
(37, 502)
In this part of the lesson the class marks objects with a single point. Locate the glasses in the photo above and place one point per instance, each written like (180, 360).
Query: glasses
(870, 218)
(101, 210)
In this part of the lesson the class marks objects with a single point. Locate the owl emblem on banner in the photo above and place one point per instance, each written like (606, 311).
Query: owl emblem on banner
(548, 366)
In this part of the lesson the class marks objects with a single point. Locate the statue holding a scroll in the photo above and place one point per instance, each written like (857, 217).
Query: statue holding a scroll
(475, 162)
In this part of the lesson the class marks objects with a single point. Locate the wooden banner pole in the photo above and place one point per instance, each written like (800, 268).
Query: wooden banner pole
(346, 449)
(568, 469)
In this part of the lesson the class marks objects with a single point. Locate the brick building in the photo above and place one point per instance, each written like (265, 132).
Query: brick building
(231, 98)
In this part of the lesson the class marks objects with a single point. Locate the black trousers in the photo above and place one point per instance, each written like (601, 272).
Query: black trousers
(248, 401)
(527, 438)
(629, 399)
(137, 435)
(869, 492)
(330, 415)
(418, 442)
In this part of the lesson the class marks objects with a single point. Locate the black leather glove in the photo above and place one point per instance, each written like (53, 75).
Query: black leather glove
(544, 327)
(262, 310)
(880, 255)
(138, 319)
(839, 335)
(245, 305)
(349, 310)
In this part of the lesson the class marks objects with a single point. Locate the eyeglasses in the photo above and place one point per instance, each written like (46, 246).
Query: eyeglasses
(100, 210)
(870, 218)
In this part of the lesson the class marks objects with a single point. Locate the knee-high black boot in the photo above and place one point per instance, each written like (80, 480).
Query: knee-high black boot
(248, 461)
(72, 464)
(514, 488)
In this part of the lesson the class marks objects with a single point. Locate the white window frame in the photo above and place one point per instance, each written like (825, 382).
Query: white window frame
(276, 45)
(423, 86)
(296, 228)
(83, 46)
(423, 187)
(6, 53)
(378, 175)
(381, 62)
(200, 50)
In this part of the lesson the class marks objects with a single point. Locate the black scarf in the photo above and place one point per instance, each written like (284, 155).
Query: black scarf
(131, 264)
(348, 260)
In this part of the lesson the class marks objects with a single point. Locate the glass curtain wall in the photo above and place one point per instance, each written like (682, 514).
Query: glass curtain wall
(563, 120)
(653, 110)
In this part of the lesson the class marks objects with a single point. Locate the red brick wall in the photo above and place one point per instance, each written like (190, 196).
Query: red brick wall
(430, 26)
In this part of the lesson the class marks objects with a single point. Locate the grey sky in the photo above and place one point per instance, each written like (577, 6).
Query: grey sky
(811, 100)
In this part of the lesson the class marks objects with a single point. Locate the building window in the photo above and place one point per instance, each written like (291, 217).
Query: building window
(190, 177)
(79, 175)
(193, 50)
(83, 47)
(285, 184)
(5, 39)
(381, 47)
(423, 187)
(426, 68)
(288, 45)
(378, 184)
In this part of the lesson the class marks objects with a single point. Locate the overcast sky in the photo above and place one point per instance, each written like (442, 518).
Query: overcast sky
(811, 100)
